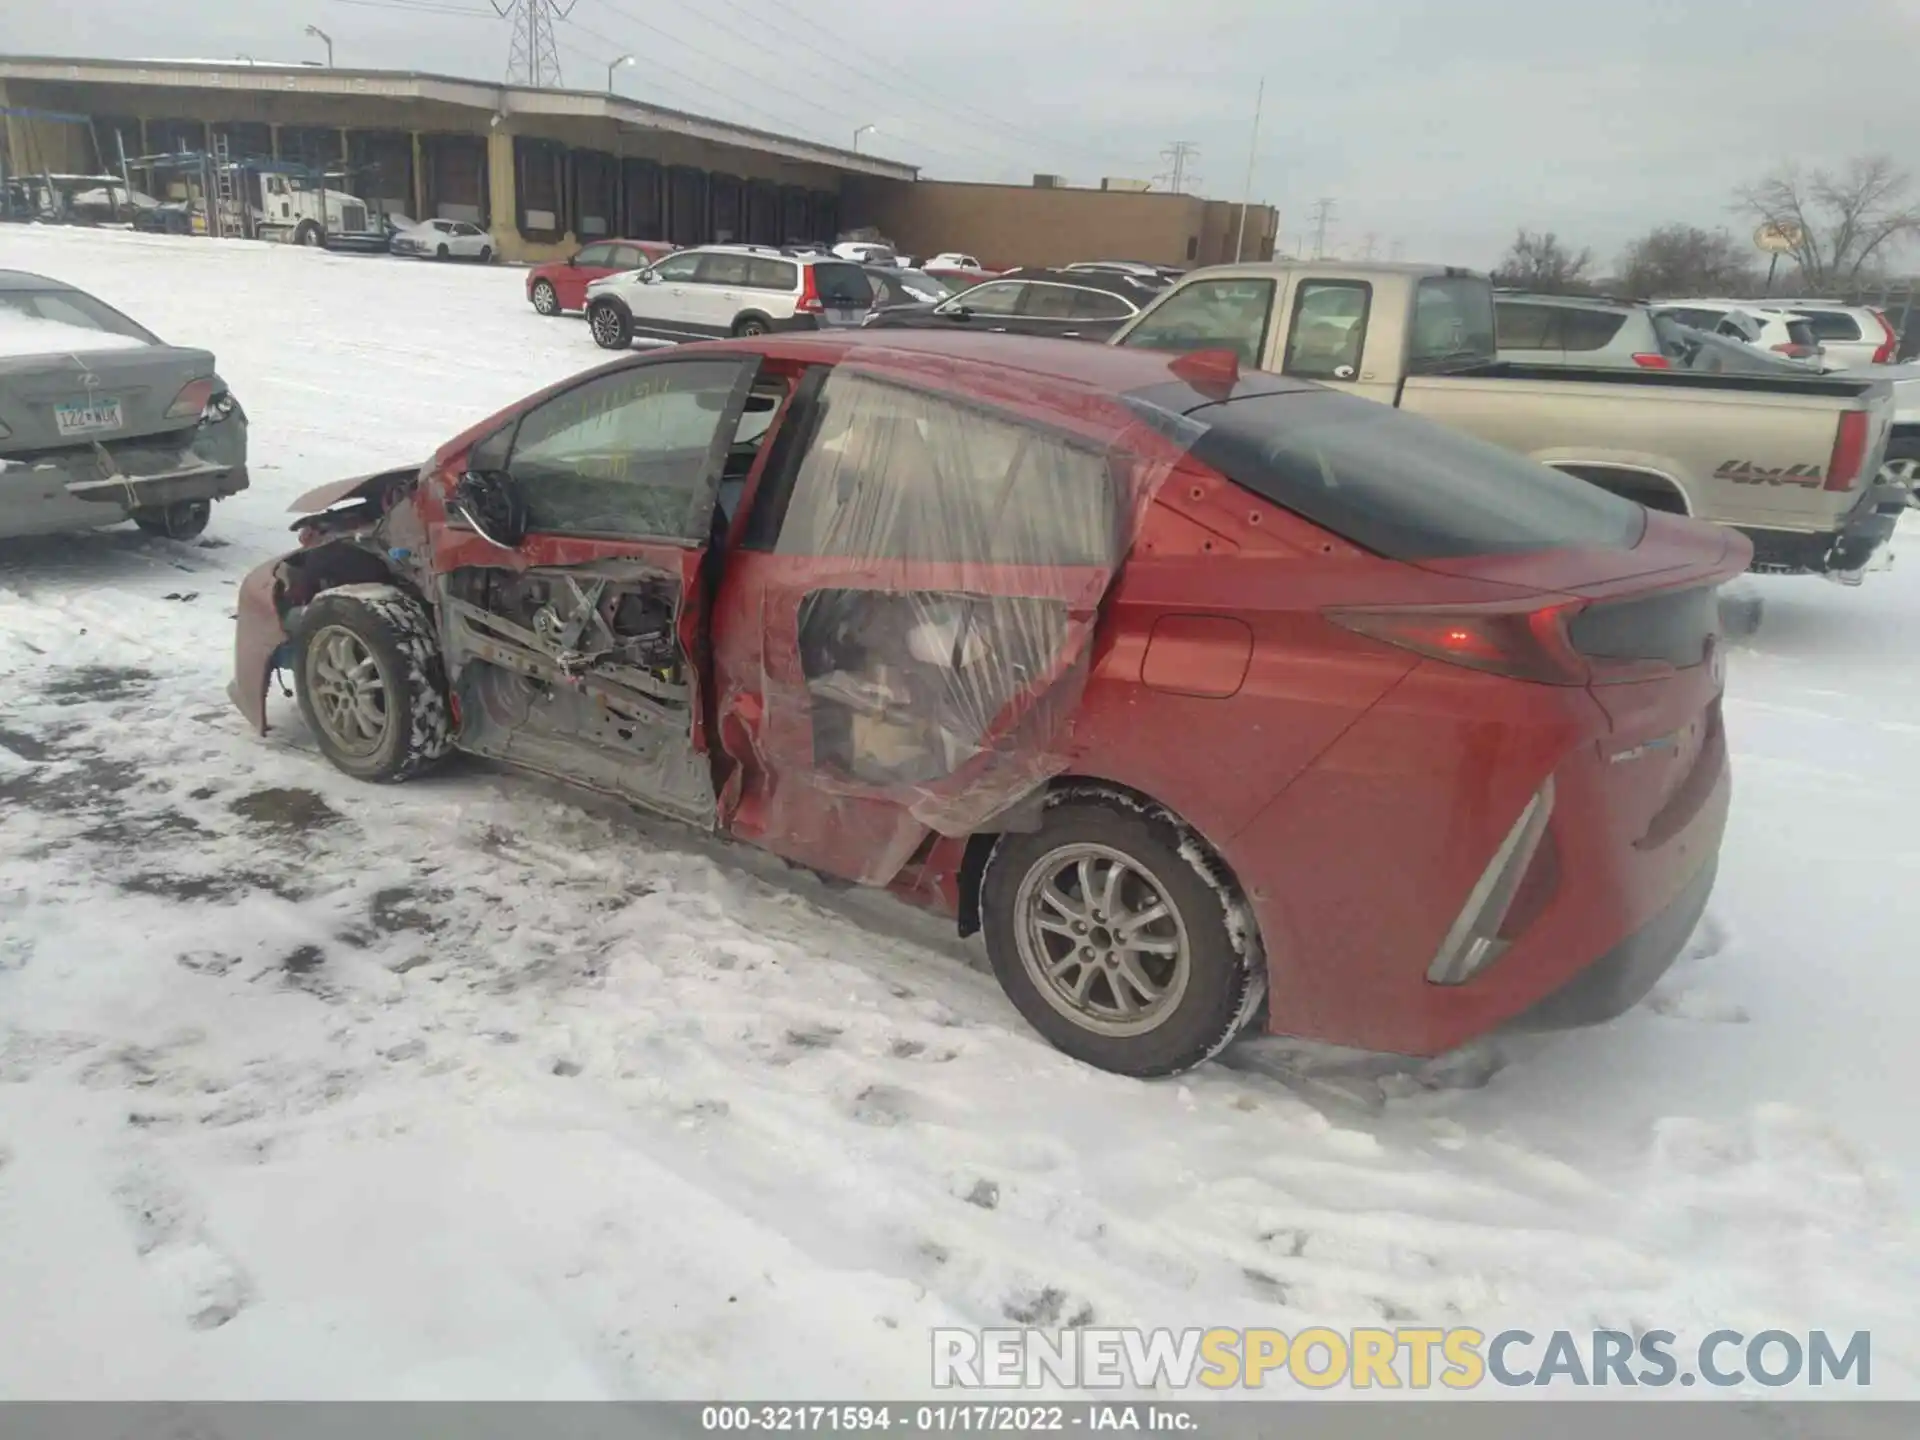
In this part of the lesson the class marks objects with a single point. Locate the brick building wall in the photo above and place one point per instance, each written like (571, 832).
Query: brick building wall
(1008, 225)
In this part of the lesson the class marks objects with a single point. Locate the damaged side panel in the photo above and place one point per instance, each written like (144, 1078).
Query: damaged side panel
(578, 672)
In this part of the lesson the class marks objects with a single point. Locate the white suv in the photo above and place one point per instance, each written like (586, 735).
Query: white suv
(1768, 327)
(728, 290)
(1850, 334)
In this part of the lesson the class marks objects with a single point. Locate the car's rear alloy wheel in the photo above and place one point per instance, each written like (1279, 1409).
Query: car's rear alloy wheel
(1902, 467)
(1112, 942)
(368, 675)
(612, 330)
(182, 520)
(546, 299)
(752, 325)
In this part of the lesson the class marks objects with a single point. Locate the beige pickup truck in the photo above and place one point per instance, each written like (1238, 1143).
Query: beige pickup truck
(1792, 462)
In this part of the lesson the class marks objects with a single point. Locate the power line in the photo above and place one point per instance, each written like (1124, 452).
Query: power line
(532, 57)
(422, 7)
(810, 103)
(1322, 213)
(1179, 173)
(917, 95)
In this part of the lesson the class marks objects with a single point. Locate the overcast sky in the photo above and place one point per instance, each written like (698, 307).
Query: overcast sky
(1435, 129)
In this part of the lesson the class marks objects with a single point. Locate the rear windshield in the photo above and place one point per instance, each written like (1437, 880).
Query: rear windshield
(1393, 483)
(1453, 325)
(842, 283)
(71, 308)
(1832, 324)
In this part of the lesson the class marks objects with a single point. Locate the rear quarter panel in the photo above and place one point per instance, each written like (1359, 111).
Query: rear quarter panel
(1739, 457)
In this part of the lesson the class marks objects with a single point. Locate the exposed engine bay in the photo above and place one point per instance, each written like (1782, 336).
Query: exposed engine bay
(578, 672)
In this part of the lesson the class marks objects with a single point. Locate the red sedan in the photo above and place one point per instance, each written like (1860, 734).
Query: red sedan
(561, 285)
(1207, 696)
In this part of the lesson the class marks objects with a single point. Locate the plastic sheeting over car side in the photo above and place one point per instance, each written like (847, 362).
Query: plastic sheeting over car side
(942, 566)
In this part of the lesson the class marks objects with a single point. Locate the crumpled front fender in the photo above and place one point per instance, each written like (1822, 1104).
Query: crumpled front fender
(257, 639)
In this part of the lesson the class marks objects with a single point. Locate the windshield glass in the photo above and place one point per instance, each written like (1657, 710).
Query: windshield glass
(1453, 324)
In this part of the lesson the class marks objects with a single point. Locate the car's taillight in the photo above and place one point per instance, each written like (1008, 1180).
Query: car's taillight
(1653, 362)
(1883, 354)
(1524, 644)
(192, 401)
(1849, 451)
(809, 301)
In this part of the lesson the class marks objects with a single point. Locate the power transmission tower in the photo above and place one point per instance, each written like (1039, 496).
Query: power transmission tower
(1322, 213)
(1180, 173)
(533, 57)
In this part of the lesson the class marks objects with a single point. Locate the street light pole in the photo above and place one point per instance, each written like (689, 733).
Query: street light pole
(623, 60)
(858, 133)
(1246, 195)
(325, 39)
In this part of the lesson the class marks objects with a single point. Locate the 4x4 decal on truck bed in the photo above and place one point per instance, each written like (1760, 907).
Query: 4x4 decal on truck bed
(1745, 472)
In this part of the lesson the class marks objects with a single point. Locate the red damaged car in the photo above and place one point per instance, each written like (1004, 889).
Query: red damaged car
(1206, 695)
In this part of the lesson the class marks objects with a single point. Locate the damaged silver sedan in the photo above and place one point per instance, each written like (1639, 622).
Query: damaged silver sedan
(101, 421)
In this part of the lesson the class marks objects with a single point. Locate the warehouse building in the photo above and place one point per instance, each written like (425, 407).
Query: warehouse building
(544, 170)
(547, 170)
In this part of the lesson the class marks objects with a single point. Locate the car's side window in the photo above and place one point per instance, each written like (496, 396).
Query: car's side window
(1047, 302)
(993, 298)
(1524, 326)
(906, 678)
(724, 269)
(1329, 329)
(1099, 305)
(595, 255)
(779, 275)
(678, 268)
(632, 453)
(900, 474)
(1210, 315)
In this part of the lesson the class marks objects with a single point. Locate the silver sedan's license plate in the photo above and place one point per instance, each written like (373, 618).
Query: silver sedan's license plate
(89, 418)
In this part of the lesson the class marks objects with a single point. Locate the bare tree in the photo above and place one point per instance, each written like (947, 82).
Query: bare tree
(1841, 221)
(1686, 260)
(1542, 264)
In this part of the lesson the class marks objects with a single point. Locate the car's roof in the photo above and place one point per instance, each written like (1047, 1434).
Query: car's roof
(27, 280)
(1114, 282)
(978, 364)
(1571, 302)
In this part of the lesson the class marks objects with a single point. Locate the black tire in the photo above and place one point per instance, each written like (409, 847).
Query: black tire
(1224, 982)
(610, 325)
(394, 632)
(546, 299)
(486, 254)
(443, 253)
(748, 325)
(1902, 463)
(183, 520)
(308, 235)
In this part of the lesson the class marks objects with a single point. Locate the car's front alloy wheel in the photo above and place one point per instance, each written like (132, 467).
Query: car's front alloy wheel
(368, 675)
(1119, 938)
(610, 328)
(546, 299)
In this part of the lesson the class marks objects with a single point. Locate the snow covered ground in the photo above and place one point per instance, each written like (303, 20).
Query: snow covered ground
(480, 1089)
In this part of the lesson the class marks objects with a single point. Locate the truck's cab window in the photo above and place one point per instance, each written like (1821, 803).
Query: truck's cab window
(1329, 329)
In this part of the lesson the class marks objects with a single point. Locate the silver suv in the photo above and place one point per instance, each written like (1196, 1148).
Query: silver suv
(1576, 330)
(728, 290)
